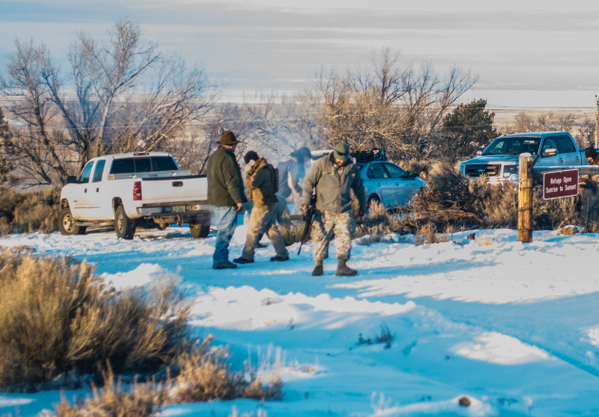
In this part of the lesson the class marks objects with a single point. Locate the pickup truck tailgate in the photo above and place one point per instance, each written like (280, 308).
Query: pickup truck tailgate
(172, 190)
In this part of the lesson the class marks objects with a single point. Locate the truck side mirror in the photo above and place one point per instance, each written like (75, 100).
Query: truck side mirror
(71, 179)
(549, 152)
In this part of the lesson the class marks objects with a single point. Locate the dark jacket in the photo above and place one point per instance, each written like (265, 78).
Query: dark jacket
(225, 187)
(333, 185)
(291, 173)
(260, 180)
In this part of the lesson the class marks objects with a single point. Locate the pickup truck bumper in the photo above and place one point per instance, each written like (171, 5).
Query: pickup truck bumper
(186, 210)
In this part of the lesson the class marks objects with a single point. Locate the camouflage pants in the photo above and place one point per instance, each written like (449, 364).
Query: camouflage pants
(263, 220)
(326, 224)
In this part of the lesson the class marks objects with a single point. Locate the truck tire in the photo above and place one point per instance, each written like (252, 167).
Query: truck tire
(67, 225)
(123, 225)
(201, 230)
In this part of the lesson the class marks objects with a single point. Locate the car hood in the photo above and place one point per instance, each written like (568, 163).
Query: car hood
(487, 159)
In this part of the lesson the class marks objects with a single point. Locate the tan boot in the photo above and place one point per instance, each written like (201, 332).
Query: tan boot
(345, 271)
(318, 269)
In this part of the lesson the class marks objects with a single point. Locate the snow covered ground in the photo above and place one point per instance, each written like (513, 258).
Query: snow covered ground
(514, 327)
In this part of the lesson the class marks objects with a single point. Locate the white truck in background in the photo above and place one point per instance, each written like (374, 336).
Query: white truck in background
(142, 189)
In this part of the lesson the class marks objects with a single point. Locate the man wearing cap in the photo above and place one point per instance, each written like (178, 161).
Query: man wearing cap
(261, 181)
(225, 194)
(333, 177)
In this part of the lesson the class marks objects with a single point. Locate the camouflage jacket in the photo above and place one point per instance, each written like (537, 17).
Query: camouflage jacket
(260, 182)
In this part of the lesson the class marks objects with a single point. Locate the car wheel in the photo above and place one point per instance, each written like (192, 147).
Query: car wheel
(67, 224)
(123, 225)
(200, 231)
(373, 198)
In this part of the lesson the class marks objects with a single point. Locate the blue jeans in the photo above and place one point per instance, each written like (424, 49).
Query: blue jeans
(226, 220)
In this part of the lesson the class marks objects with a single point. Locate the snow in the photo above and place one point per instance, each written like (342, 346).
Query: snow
(511, 326)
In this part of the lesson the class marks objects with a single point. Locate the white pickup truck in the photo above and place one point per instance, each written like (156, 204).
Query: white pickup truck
(142, 189)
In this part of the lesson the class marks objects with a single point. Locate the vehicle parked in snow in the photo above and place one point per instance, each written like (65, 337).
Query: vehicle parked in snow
(499, 160)
(145, 189)
(384, 181)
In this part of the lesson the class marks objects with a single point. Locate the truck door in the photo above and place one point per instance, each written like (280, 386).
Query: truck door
(97, 193)
(569, 151)
(554, 160)
(81, 201)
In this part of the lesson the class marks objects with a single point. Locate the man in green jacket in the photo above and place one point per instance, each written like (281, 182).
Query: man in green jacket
(261, 182)
(333, 177)
(225, 194)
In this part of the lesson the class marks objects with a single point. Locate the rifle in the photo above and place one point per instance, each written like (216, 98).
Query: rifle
(308, 219)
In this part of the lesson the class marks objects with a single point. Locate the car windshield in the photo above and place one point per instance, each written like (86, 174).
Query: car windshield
(513, 146)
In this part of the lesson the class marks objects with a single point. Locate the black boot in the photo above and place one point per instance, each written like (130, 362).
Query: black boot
(345, 271)
(318, 269)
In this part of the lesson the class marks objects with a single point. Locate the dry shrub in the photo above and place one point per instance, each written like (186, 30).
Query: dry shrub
(427, 233)
(203, 375)
(58, 321)
(29, 212)
(141, 400)
(484, 240)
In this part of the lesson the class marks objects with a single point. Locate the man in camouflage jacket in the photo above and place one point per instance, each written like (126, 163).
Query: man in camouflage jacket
(333, 177)
(261, 185)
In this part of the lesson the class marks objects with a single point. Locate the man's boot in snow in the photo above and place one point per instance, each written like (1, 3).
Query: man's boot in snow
(318, 269)
(345, 271)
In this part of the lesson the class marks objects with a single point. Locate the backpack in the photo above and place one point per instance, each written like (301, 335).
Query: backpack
(274, 172)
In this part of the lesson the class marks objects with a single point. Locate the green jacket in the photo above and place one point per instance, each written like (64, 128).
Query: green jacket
(225, 188)
(260, 180)
(333, 185)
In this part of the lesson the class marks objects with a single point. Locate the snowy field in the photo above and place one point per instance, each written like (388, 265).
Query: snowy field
(514, 327)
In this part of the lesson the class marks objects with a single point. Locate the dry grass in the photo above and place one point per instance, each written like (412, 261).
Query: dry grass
(202, 375)
(29, 212)
(59, 322)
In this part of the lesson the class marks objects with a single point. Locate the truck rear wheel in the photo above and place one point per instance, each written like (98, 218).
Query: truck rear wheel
(67, 224)
(201, 230)
(123, 225)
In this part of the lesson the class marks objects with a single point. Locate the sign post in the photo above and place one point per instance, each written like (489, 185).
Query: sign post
(525, 198)
(560, 184)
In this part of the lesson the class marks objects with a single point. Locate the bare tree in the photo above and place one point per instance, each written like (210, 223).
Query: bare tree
(388, 104)
(117, 92)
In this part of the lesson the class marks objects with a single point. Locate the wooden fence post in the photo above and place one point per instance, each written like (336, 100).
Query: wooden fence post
(525, 198)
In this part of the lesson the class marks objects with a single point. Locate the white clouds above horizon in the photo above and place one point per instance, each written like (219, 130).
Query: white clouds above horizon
(272, 44)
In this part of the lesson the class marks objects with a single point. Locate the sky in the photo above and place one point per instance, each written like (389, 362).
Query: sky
(525, 53)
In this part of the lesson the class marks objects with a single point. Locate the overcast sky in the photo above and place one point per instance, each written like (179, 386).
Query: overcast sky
(526, 53)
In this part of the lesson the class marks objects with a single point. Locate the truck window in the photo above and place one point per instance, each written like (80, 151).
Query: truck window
(565, 145)
(85, 174)
(122, 166)
(142, 165)
(549, 144)
(99, 170)
(163, 163)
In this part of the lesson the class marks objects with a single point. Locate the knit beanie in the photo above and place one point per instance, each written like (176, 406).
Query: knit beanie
(250, 156)
(590, 152)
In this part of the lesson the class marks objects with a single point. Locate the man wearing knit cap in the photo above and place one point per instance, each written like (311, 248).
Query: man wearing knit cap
(589, 182)
(225, 194)
(332, 178)
(261, 181)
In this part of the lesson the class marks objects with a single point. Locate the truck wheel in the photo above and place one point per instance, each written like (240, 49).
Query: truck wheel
(123, 225)
(201, 230)
(66, 223)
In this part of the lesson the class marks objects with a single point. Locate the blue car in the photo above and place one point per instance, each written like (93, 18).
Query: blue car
(385, 182)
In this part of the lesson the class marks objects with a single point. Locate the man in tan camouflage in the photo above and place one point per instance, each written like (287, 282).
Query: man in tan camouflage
(261, 182)
(333, 177)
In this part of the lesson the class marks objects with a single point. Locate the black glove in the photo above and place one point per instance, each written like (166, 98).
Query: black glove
(361, 211)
